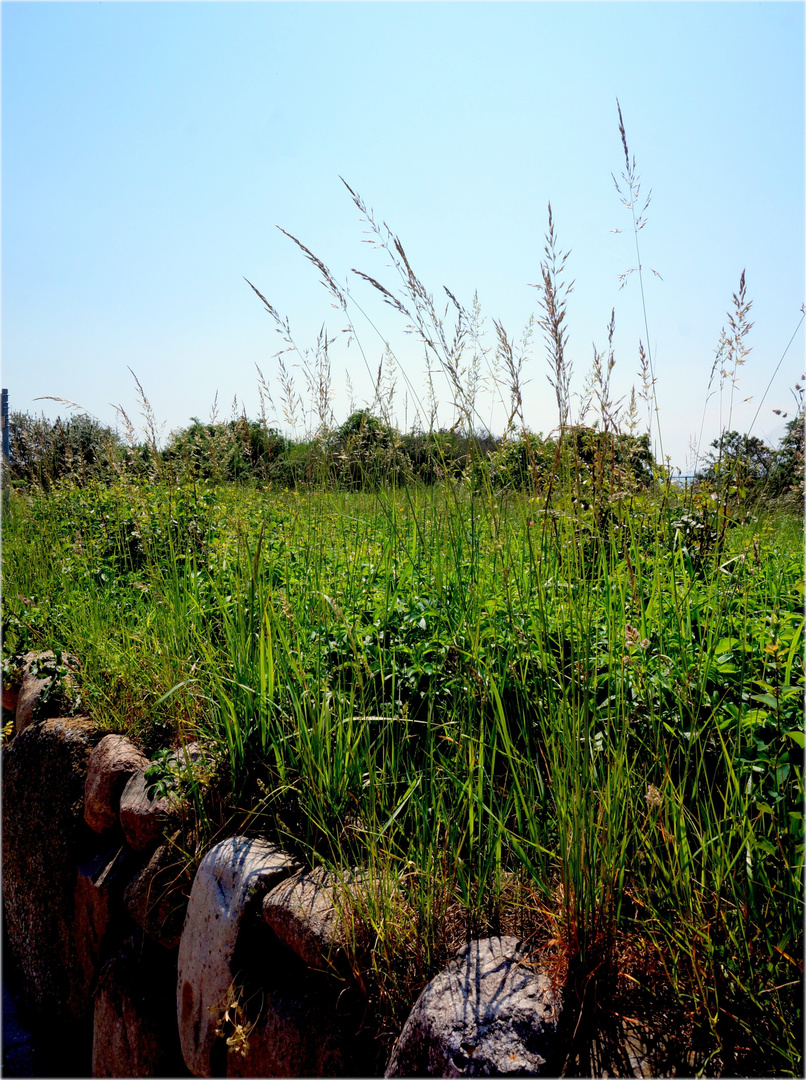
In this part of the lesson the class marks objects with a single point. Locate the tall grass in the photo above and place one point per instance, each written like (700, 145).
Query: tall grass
(486, 712)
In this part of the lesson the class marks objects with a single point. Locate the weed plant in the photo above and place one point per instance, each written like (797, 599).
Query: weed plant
(541, 691)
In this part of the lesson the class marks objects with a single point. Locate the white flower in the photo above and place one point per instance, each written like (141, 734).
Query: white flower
(653, 796)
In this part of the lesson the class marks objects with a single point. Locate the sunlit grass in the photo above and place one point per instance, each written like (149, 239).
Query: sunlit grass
(514, 713)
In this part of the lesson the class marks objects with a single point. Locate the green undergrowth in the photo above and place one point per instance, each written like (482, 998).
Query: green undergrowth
(577, 720)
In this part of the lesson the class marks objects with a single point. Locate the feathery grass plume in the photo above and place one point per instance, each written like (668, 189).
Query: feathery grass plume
(732, 353)
(474, 378)
(423, 320)
(609, 410)
(316, 368)
(586, 394)
(153, 430)
(340, 294)
(329, 282)
(554, 293)
(130, 433)
(512, 366)
(383, 391)
(476, 375)
(317, 373)
(293, 403)
(430, 411)
(598, 384)
(647, 391)
(737, 350)
(264, 396)
(148, 455)
(511, 361)
(630, 197)
(605, 449)
(213, 440)
(283, 327)
(291, 399)
(351, 402)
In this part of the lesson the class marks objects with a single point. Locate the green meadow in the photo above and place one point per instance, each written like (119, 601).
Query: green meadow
(515, 711)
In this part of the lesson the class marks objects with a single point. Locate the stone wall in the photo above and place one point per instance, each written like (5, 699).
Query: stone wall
(237, 969)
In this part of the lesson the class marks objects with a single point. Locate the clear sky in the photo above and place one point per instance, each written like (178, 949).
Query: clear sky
(150, 149)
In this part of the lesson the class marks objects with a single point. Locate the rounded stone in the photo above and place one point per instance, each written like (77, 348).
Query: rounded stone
(111, 765)
(489, 1013)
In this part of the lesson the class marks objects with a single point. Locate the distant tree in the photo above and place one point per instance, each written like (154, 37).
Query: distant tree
(787, 474)
(736, 460)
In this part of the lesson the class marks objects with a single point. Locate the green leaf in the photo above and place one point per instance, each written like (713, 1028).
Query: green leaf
(767, 699)
(725, 644)
(754, 717)
(798, 737)
(781, 773)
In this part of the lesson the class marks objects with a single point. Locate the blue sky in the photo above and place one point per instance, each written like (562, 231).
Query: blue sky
(150, 149)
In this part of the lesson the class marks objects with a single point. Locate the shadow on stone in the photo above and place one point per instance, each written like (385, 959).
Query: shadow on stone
(298, 1022)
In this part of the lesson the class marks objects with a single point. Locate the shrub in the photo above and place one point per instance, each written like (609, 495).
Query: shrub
(365, 451)
(80, 449)
(236, 450)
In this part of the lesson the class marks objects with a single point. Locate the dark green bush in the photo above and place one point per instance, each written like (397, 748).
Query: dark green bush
(236, 450)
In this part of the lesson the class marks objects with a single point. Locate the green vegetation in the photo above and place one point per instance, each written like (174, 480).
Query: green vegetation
(467, 689)
(529, 684)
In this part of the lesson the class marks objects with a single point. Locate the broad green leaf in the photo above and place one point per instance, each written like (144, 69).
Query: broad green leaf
(725, 644)
(766, 699)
